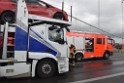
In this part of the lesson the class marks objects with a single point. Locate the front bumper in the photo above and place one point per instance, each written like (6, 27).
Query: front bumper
(63, 65)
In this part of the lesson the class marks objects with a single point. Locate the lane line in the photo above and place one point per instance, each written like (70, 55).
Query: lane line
(99, 78)
(118, 62)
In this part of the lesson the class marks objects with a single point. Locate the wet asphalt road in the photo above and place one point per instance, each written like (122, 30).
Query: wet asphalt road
(86, 69)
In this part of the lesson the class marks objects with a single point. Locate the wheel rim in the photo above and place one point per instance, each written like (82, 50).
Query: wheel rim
(8, 17)
(79, 58)
(46, 68)
(106, 56)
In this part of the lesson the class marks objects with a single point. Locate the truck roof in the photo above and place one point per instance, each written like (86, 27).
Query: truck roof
(82, 34)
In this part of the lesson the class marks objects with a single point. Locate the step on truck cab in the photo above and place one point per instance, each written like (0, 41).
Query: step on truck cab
(90, 45)
(35, 48)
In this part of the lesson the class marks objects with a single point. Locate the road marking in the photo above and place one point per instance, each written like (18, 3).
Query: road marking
(99, 78)
(118, 62)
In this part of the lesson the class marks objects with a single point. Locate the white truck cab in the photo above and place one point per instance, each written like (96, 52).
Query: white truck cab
(39, 48)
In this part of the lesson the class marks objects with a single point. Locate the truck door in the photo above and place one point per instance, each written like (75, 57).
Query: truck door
(51, 39)
(79, 43)
(99, 47)
(89, 48)
(56, 38)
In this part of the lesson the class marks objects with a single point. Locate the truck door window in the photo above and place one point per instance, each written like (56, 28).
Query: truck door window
(99, 41)
(89, 44)
(56, 34)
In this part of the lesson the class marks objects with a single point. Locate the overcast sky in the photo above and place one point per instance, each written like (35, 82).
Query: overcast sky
(87, 10)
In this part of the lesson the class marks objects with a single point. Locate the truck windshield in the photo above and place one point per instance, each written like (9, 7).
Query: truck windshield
(56, 33)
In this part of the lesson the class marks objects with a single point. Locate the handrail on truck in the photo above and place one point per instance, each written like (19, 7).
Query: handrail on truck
(4, 55)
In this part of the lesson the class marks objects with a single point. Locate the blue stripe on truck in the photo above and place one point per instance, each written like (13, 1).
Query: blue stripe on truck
(21, 43)
(20, 39)
(36, 46)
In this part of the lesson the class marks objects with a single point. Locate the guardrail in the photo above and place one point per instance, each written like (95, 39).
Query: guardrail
(118, 51)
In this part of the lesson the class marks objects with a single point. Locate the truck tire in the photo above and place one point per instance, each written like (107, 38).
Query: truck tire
(78, 57)
(106, 56)
(46, 68)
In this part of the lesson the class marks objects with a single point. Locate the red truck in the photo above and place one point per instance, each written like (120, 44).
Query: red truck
(90, 45)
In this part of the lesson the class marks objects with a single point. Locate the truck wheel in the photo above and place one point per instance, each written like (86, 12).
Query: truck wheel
(106, 56)
(45, 69)
(78, 57)
(8, 17)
